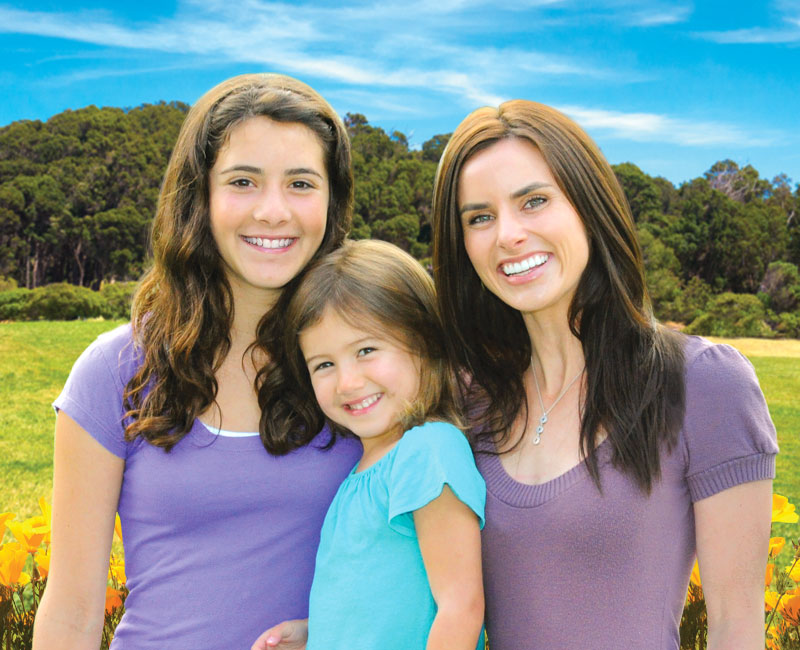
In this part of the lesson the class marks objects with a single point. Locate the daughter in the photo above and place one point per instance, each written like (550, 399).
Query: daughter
(399, 561)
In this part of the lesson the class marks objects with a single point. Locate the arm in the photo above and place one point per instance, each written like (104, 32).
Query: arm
(450, 542)
(732, 533)
(289, 635)
(86, 484)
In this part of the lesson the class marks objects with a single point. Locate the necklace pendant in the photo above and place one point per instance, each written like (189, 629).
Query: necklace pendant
(543, 419)
(538, 437)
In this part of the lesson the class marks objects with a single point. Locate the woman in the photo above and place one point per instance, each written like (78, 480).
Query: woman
(613, 449)
(160, 419)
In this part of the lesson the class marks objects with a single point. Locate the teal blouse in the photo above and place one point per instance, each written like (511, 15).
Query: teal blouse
(370, 589)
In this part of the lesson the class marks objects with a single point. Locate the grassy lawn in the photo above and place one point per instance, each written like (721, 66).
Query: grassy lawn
(35, 359)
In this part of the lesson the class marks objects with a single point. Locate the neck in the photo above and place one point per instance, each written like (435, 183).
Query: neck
(558, 353)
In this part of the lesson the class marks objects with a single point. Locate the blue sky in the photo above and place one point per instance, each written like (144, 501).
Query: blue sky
(670, 86)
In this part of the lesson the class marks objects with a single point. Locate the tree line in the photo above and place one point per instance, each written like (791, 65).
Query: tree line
(78, 191)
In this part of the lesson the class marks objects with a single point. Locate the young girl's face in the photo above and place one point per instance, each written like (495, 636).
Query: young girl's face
(362, 381)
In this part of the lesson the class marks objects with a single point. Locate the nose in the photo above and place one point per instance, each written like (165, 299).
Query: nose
(348, 379)
(272, 208)
(510, 231)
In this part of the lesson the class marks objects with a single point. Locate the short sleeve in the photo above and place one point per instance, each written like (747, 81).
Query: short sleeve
(427, 458)
(728, 434)
(92, 395)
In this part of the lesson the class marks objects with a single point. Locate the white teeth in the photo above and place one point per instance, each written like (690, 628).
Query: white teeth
(364, 403)
(268, 243)
(515, 268)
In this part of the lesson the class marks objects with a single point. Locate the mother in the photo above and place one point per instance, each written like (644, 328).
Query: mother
(613, 449)
(160, 419)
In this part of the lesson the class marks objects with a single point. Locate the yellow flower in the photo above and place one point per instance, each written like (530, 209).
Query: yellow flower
(794, 574)
(116, 570)
(118, 527)
(47, 515)
(776, 545)
(782, 510)
(768, 576)
(42, 559)
(30, 533)
(770, 599)
(12, 561)
(695, 577)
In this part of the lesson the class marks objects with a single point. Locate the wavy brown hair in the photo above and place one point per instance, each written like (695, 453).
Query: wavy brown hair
(183, 309)
(634, 367)
(377, 287)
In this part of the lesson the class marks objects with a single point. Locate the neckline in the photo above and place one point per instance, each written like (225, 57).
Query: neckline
(526, 495)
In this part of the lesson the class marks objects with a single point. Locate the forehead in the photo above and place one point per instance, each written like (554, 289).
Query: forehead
(260, 136)
(509, 164)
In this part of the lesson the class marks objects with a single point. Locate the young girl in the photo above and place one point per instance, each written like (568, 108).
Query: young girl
(399, 559)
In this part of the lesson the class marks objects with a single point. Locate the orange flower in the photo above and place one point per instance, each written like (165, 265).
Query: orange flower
(42, 559)
(776, 545)
(12, 561)
(116, 570)
(4, 517)
(782, 510)
(768, 575)
(118, 527)
(789, 608)
(30, 533)
(113, 599)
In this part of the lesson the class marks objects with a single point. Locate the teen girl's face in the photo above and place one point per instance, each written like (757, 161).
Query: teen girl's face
(362, 381)
(522, 235)
(268, 195)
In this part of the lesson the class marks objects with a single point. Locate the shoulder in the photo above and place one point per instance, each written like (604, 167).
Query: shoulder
(433, 435)
(727, 434)
(113, 354)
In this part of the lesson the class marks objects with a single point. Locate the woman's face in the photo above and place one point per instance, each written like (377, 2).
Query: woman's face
(523, 237)
(268, 197)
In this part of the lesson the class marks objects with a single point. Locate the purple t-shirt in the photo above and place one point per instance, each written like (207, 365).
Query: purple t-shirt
(220, 536)
(566, 566)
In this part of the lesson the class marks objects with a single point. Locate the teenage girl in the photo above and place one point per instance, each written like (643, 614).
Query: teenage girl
(160, 419)
(399, 559)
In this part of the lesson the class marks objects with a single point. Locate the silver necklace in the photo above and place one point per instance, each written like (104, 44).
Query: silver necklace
(543, 419)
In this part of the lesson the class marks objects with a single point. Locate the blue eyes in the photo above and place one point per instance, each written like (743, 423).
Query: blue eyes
(365, 351)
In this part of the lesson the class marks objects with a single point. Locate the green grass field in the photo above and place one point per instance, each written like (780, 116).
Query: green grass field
(35, 359)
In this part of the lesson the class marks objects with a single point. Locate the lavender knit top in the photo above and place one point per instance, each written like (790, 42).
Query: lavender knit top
(220, 536)
(566, 566)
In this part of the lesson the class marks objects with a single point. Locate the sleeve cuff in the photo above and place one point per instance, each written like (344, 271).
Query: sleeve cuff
(756, 467)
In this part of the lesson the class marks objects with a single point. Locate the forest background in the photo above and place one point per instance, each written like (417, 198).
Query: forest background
(78, 192)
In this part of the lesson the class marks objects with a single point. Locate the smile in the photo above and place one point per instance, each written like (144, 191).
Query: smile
(263, 242)
(516, 268)
(364, 403)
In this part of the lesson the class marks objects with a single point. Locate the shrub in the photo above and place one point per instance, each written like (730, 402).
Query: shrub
(118, 296)
(7, 284)
(63, 301)
(781, 284)
(732, 314)
(13, 302)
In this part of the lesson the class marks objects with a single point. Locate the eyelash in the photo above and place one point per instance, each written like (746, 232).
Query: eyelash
(532, 202)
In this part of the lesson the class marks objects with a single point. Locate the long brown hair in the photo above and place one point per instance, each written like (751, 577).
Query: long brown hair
(183, 309)
(377, 287)
(634, 367)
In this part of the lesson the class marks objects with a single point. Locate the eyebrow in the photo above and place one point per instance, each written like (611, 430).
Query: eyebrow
(295, 171)
(532, 187)
(352, 343)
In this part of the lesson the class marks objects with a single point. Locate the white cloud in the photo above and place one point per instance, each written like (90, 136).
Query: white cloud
(652, 127)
